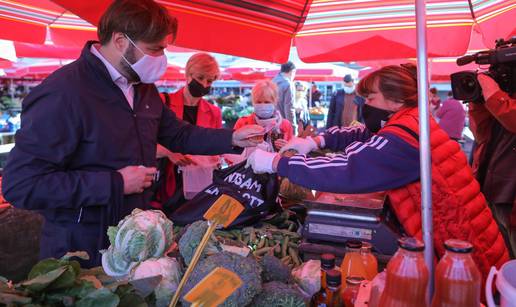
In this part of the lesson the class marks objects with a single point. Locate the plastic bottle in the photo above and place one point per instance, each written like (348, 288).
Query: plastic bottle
(352, 264)
(369, 260)
(349, 294)
(407, 276)
(333, 290)
(327, 264)
(457, 278)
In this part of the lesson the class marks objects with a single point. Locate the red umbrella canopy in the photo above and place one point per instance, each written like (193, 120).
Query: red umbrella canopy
(325, 30)
(34, 21)
(378, 29)
(26, 50)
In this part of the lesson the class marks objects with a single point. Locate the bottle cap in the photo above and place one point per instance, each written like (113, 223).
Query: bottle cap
(367, 246)
(458, 246)
(333, 278)
(354, 244)
(411, 244)
(354, 280)
(327, 261)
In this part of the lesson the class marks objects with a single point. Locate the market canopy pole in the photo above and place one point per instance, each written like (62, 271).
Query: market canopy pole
(424, 143)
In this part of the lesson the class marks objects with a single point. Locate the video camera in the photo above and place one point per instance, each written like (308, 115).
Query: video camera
(502, 59)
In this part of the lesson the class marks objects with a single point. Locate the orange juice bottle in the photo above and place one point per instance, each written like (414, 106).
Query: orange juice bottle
(352, 265)
(369, 260)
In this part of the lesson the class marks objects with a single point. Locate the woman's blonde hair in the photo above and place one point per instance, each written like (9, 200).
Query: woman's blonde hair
(265, 90)
(202, 63)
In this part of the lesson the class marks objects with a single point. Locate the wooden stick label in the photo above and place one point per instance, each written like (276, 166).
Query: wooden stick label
(224, 211)
(214, 289)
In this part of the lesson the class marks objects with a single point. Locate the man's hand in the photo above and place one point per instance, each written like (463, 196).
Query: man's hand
(180, 159)
(137, 178)
(262, 161)
(279, 143)
(302, 146)
(248, 136)
(488, 85)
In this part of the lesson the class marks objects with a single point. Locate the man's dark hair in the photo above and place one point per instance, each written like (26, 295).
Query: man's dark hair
(287, 67)
(141, 20)
(450, 94)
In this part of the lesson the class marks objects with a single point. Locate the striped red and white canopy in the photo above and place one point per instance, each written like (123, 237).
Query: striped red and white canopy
(326, 30)
(37, 21)
(322, 30)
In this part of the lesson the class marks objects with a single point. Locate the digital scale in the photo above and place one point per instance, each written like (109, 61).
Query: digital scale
(333, 219)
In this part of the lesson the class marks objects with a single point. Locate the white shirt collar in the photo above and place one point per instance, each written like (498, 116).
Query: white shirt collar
(116, 76)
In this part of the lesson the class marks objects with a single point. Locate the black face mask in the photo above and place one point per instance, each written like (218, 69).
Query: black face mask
(374, 118)
(196, 89)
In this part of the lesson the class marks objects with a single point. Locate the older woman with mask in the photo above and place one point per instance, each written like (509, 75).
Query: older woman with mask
(278, 130)
(187, 174)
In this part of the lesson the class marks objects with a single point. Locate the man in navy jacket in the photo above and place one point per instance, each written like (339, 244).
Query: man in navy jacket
(86, 150)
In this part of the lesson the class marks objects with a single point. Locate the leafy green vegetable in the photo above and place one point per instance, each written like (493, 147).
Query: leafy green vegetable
(138, 237)
(100, 297)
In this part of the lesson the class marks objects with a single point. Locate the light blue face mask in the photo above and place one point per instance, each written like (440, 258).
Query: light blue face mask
(264, 110)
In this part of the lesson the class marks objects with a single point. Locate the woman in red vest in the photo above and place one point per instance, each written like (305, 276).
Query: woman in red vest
(384, 156)
(184, 174)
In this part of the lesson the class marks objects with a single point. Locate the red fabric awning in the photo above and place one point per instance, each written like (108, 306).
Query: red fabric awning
(26, 50)
(325, 30)
(31, 20)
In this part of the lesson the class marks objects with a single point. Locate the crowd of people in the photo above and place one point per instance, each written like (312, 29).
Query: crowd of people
(96, 134)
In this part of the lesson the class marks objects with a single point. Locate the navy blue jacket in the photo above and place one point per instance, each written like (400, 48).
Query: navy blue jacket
(77, 130)
(337, 106)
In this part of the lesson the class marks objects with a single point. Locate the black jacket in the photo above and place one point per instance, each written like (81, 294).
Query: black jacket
(77, 130)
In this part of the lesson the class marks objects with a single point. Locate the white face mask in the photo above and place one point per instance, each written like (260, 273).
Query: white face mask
(264, 110)
(148, 68)
(349, 89)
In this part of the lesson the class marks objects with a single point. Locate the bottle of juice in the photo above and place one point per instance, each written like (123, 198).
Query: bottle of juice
(369, 260)
(407, 276)
(352, 264)
(457, 278)
(349, 294)
(327, 264)
(333, 290)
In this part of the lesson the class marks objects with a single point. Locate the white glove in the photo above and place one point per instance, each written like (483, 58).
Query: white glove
(261, 161)
(301, 145)
(248, 136)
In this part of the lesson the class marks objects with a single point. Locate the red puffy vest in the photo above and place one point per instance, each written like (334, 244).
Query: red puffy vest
(460, 210)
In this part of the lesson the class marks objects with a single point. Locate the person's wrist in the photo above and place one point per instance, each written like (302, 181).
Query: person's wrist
(275, 162)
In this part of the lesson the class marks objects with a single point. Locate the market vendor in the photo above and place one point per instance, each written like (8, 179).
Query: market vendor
(384, 155)
(86, 152)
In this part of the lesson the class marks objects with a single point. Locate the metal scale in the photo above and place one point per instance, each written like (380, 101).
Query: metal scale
(333, 219)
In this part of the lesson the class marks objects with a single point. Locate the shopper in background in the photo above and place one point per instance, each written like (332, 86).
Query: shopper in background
(314, 97)
(301, 105)
(85, 155)
(185, 174)
(345, 105)
(494, 125)
(286, 92)
(386, 158)
(434, 100)
(451, 117)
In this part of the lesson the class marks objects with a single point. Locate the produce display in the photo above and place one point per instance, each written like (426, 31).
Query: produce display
(276, 293)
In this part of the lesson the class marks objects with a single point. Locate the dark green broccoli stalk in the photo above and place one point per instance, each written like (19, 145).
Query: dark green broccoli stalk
(278, 294)
(274, 270)
(191, 239)
(245, 267)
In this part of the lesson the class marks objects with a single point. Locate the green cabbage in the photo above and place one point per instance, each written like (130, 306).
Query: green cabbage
(138, 237)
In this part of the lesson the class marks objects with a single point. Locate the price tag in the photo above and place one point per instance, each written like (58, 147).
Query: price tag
(224, 211)
(214, 289)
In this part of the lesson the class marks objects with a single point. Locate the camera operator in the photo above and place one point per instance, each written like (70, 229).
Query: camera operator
(494, 125)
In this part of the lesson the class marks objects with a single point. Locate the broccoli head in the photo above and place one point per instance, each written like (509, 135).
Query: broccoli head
(191, 239)
(274, 270)
(245, 267)
(278, 294)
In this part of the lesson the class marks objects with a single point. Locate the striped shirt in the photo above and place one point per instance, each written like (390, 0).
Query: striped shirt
(365, 162)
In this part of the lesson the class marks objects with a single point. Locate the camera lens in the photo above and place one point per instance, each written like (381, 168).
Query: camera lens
(468, 84)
